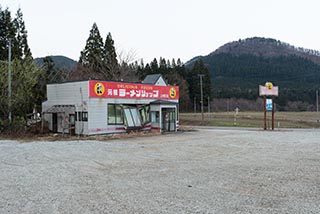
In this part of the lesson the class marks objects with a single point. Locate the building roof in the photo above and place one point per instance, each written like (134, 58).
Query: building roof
(164, 102)
(152, 79)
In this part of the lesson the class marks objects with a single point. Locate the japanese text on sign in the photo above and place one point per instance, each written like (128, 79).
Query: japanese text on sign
(126, 90)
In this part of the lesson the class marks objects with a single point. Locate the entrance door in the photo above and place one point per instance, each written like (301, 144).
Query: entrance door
(54, 122)
(168, 119)
(72, 124)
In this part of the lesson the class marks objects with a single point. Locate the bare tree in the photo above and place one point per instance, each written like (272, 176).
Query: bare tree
(128, 65)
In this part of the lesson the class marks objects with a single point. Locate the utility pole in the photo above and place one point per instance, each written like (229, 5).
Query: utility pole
(9, 84)
(228, 105)
(208, 104)
(195, 104)
(201, 94)
(317, 100)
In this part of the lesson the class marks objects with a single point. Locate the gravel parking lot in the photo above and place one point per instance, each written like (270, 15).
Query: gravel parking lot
(206, 171)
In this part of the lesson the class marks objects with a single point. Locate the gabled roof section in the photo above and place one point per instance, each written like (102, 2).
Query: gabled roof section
(155, 79)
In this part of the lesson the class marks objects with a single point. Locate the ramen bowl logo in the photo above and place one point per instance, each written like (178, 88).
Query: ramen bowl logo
(172, 93)
(99, 89)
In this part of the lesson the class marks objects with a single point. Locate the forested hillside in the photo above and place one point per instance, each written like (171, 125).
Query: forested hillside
(59, 62)
(238, 68)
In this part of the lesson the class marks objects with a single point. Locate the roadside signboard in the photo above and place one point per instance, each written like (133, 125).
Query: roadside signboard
(268, 90)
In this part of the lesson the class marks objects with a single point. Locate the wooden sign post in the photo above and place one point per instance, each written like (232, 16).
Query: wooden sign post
(266, 91)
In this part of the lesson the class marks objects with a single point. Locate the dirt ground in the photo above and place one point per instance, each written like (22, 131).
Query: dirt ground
(209, 170)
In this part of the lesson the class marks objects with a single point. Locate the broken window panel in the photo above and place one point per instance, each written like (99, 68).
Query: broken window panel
(144, 112)
(128, 117)
(135, 116)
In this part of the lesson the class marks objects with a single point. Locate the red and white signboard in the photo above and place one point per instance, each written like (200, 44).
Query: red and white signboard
(101, 89)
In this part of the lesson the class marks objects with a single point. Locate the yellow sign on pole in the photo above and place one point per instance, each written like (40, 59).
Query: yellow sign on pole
(269, 85)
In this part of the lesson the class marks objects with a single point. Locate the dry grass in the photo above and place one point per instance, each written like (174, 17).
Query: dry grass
(30, 137)
(253, 119)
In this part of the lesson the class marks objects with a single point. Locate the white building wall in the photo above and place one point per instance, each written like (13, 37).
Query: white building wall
(97, 116)
(70, 93)
(161, 81)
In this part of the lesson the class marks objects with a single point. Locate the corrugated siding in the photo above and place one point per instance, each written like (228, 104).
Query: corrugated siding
(97, 115)
(68, 93)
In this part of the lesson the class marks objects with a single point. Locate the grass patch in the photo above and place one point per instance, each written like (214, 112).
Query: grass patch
(253, 119)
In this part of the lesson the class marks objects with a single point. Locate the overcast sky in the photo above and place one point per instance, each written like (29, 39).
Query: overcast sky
(165, 28)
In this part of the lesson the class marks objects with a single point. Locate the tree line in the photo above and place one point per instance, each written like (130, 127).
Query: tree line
(98, 60)
(238, 76)
(26, 76)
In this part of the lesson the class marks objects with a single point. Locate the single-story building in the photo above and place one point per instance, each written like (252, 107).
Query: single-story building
(100, 107)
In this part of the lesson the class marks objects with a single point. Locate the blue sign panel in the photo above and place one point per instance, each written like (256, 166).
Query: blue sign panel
(269, 104)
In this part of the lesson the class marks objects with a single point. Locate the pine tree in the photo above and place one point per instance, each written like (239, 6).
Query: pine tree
(173, 63)
(48, 67)
(7, 31)
(25, 74)
(111, 58)
(21, 48)
(92, 57)
(168, 64)
(154, 66)
(179, 63)
(162, 64)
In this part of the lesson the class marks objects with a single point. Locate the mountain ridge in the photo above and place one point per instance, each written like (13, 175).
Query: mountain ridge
(60, 62)
(263, 47)
(238, 68)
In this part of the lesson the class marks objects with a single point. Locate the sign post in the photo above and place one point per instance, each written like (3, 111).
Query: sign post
(268, 104)
(272, 113)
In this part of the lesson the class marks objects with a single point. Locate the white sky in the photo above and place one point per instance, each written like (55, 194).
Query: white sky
(167, 28)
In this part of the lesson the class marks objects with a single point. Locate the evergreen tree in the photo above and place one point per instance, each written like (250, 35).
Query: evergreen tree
(25, 94)
(147, 70)
(93, 55)
(179, 63)
(168, 64)
(154, 66)
(25, 74)
(48, 67)
(174, 78)
(162, 66)
(173, 63)
(141, 71)
(7, 31)
(111, 58)
(21, 48)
